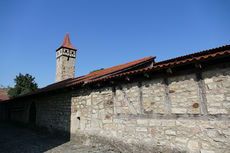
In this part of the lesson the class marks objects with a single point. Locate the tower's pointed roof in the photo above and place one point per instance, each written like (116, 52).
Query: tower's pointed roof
(66, 43)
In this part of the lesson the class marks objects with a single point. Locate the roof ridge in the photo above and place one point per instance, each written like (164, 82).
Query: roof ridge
(200, 53)
(162, 65)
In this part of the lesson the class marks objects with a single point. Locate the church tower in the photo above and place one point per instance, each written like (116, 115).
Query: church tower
(65, 57)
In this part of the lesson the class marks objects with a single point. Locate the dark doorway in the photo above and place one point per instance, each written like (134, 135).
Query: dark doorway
(32, 117)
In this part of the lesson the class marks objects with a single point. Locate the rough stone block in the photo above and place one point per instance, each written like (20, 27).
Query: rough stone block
(154, 122)
(170, 132)
(142, 122)
(109, 126)
(228, 98)
(206, 151)
(181, 140)
(141, 129)
(217, 111)
(208, 81)
(212, 133)
(226, 105)
(107, 120)
(179, 110)
(168, 123)
(193, 146)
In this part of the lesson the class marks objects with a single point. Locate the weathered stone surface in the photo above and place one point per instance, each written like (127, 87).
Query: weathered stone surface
(193, 146)
(217, 90)
(184, 95)
(142, 122)
(190, 135)
(207, 151)
(170, 132)
(153, 96)
(65, 67)
(168, 123)
(185, 129)
(141, 129)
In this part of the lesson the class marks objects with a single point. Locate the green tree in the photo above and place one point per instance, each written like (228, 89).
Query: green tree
(96, 70)
(23, 85)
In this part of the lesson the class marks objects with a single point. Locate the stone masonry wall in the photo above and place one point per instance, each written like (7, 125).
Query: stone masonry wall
(53, 112)
(177, 113)
(19, 111)
(3, 112)
(183, 91)
(217, 84)
(154, 96)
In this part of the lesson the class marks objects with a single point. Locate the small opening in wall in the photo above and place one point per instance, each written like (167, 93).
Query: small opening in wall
(78, 118)
(67, 58)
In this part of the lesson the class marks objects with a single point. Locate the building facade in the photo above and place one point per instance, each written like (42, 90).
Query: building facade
(177, 105)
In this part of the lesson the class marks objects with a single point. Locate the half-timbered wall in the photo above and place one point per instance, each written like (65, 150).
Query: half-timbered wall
(186, 112)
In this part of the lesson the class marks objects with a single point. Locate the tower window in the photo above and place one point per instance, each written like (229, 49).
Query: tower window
(67, 58)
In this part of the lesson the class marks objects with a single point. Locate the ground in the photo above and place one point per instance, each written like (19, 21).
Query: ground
(15, 139)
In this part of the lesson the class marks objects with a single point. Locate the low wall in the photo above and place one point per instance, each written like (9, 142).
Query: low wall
(3, 112)
(184, 112)
(19, 111)
(51, 112)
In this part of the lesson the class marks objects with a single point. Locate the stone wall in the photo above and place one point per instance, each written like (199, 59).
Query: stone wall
(186, 112)
(154, 96)
(19, 111)
(217, 85)
(183, 93)
(53, 112)
(3, 112)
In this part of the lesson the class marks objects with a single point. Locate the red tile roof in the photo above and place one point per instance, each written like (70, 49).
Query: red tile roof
(197, 54)
(3, 96)
(158, 65)
(110, 73)
(99, 74)
(66, 43)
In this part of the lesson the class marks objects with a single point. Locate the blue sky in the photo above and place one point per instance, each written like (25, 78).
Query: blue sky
(106, 32)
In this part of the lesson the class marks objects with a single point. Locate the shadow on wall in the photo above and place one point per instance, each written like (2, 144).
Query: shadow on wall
(37, 124)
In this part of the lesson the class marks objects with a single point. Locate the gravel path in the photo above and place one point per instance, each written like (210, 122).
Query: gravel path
(14, 139)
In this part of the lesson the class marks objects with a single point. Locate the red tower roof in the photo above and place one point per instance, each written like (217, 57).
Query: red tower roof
(66, 43)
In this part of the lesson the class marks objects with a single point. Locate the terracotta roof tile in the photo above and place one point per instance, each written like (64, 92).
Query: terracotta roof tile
(196, 54)
(160, 66)
(3, 96)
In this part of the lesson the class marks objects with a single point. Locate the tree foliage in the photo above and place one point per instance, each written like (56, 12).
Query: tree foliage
(23, 85)
(96, 70)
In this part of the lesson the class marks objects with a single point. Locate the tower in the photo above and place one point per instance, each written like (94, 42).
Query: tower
(65, 57)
